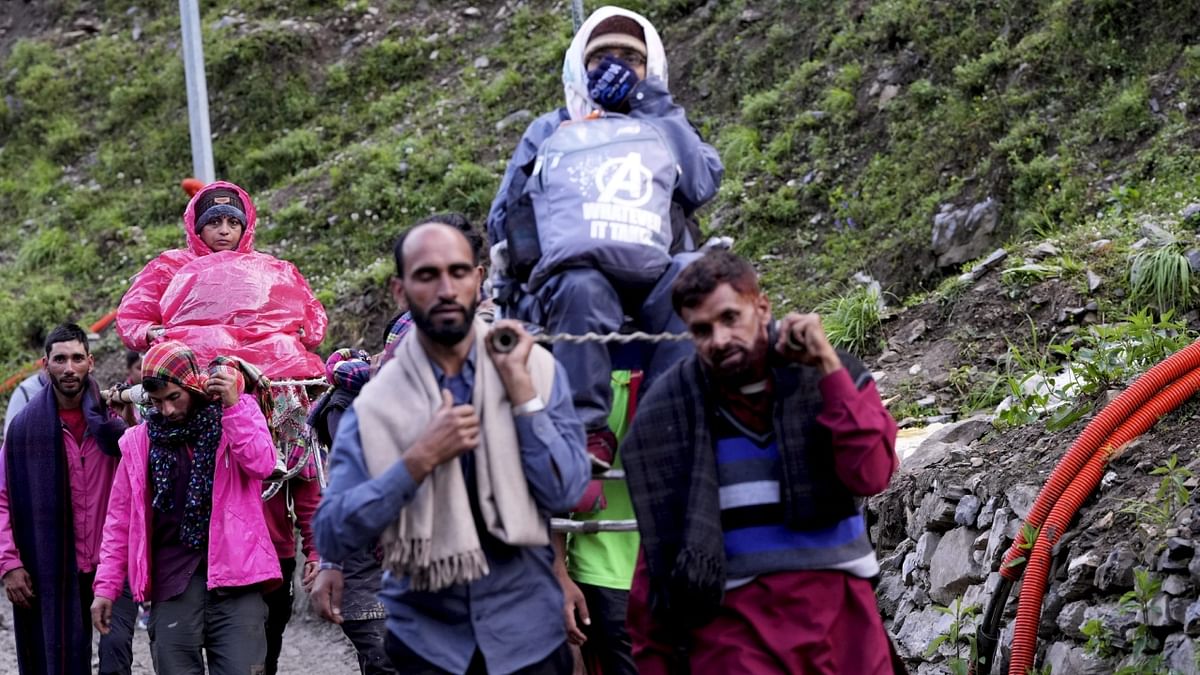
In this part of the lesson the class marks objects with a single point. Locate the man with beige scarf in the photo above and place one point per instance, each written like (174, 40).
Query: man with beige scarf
(454, 456)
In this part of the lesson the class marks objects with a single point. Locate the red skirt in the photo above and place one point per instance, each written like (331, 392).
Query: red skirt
(799, 623)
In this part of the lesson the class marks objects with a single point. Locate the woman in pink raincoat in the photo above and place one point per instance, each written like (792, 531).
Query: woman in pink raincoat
(220, 297)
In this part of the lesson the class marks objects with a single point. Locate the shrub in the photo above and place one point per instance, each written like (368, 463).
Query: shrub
(739, 148)
(286, 155)
(1161, 275)
(1127, 113)
(839, 102)
(852, 321)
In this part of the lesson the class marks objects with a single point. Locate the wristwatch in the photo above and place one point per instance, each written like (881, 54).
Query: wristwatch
(529, 407)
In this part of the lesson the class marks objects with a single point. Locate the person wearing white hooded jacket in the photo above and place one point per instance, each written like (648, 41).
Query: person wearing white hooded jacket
(615, 63)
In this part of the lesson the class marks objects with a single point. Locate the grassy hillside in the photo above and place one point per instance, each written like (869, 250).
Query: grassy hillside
(347, 120)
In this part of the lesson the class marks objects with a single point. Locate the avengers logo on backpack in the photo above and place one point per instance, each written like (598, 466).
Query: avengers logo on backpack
(600, 192)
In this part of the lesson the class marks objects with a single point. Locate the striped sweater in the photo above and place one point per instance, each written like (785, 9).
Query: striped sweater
(756, 539)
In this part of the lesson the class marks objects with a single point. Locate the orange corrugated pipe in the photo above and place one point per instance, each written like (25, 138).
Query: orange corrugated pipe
(104, 322)
(1033, 588)
(1089, 441)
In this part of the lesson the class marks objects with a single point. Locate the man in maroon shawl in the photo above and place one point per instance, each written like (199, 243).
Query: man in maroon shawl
(56, 472)
(747, 464)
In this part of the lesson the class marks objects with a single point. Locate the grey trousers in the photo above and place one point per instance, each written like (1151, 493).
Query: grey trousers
(116, 648)
(582, 300)
(367, 636)
(225, 626)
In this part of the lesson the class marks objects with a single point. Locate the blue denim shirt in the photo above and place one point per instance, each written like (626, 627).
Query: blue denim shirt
(514, 614)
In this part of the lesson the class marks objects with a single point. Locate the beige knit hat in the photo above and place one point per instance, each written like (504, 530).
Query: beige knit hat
(616, 31)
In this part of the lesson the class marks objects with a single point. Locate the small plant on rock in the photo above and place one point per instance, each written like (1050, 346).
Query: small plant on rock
(1173, 488)
(963, 619)
(1029, 535)
(1172, 494)
(1099, 637)
(1145, 587)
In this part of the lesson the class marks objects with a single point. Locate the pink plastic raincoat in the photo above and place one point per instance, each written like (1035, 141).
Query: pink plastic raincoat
(234, 303)
(240, 552)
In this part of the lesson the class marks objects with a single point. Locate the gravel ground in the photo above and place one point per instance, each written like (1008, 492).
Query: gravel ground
(310, 647)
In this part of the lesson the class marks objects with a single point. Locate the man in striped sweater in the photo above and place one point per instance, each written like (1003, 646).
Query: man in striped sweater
(747, 464)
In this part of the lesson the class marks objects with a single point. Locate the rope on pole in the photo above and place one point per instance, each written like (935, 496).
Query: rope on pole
(314, 382)
(577, 14)
(505, 340)
(592, 526)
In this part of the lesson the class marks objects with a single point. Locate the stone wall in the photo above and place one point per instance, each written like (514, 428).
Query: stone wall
(955, 534)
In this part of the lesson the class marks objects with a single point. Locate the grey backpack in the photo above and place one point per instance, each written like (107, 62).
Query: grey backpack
(601, 196)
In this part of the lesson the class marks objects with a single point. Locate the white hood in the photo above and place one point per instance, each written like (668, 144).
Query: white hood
(579, 104)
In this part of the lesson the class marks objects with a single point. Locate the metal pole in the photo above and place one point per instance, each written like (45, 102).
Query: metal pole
(197, 91)
(577, 13)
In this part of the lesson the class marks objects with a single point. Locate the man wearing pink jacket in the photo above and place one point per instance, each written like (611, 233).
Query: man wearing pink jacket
(185, 521)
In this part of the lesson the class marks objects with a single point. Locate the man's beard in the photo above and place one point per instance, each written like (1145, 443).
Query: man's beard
(752, 368)
(81, 382)
(444, 334)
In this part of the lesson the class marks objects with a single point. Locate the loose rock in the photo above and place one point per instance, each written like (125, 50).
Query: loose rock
(1021, 498)
(1070, 619)
(934, 513)
(967, 510)
(1116, 572)
(987, 514)
(1190, 211)
(514, 118)
(960, 235)
(995, 258)
(920, 629)
(911, 332)
(1191, 619)
(1045, 250)
(926, 546)
(966, 432)
(1180, 654)
(1066, 659)
(953, 567)
(889, 92)
(1081, 576)
(1114, 619)
(1176, 585)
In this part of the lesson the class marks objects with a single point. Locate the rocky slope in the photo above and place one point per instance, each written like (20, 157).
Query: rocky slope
(899, 142)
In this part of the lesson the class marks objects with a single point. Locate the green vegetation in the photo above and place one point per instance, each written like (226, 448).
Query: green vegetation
(1099, 638)
(1062, 380)
(1161, 276)
(1171, 495)
(1029, 535)
(960, 633)
(347, 120)
(852, 321)
(1145, 643)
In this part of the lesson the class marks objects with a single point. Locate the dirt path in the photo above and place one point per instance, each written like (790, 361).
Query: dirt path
(309, 646)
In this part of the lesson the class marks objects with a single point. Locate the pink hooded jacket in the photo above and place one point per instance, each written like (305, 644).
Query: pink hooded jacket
(240, 552)
(234, 303)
